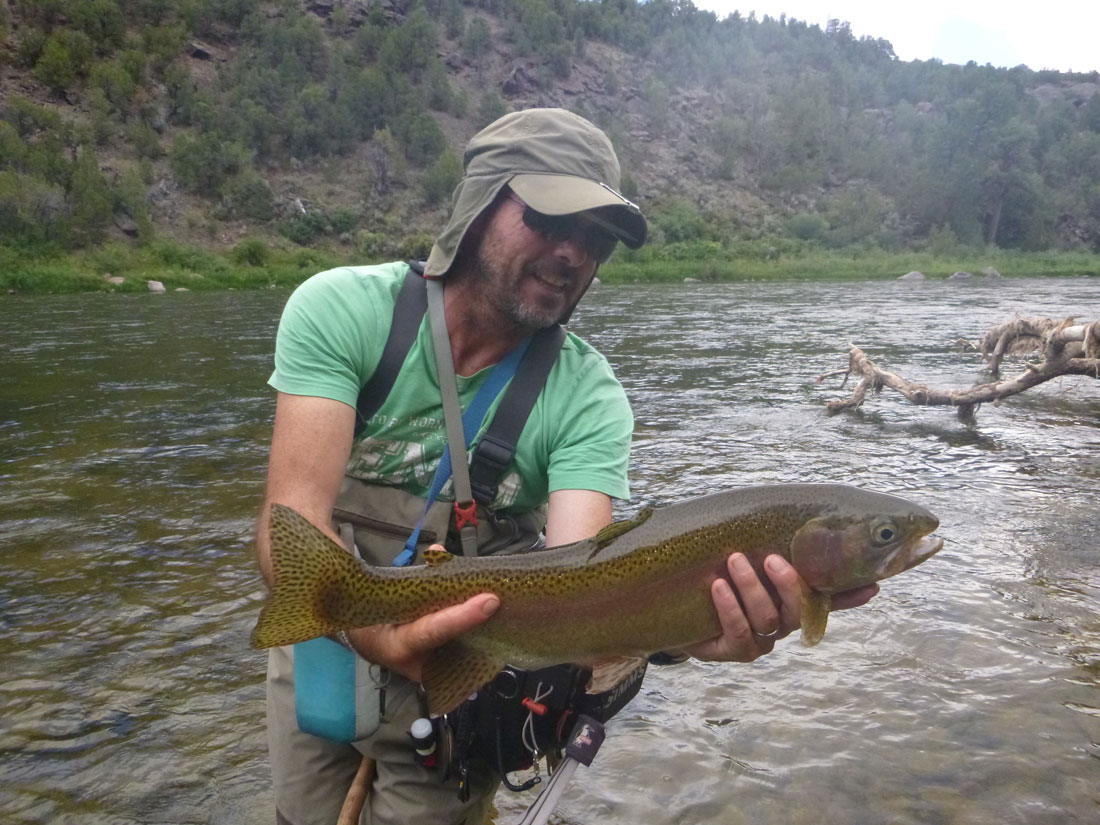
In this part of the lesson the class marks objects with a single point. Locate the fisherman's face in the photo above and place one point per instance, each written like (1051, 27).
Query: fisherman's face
(531, 279)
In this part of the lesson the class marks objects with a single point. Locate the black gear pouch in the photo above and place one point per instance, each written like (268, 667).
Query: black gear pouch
(523, 715)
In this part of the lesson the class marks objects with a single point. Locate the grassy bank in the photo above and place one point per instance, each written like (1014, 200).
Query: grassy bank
(844, 265)
(254, 265)
(122, 268)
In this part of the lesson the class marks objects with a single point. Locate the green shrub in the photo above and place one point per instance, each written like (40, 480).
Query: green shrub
(807, 226)
(145, 140)
(28, 118)
(28, 47)
(66, 55)
(203, 163)
(92, 202)
(679, 221)
(13, 151)
(477, 40)
(304, 229)
(441, 178)
(416, 247)
(420, 136)
(375, 246)
(111, 259)
(247, 195)
(116, 84)
(101, 20)
(251, 252)
(186, 258)
(491, 107)
(342, 221)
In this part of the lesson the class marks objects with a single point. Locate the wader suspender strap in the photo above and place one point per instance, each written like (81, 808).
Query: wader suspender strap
(408, 311)
(495, 449)
(465, 509)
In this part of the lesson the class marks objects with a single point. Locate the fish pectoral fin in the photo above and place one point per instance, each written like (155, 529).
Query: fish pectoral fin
(433, 557)
(455, 671)
(815, 615)
(607, 673)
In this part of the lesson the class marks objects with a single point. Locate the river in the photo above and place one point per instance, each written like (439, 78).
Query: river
(133, 436)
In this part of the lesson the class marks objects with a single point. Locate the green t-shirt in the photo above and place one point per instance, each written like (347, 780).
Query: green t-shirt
(330, 341)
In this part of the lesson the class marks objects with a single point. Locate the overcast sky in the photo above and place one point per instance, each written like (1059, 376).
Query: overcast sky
(1056, 34)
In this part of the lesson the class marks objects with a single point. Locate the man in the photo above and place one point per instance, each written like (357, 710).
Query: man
(536, 212)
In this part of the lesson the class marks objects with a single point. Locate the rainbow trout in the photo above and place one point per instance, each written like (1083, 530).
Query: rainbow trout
(637, 587)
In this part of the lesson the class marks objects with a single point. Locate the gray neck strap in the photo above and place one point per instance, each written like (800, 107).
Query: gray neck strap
(452, 411)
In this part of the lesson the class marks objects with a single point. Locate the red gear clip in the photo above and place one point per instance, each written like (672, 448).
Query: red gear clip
(466, 515)
(535, 707)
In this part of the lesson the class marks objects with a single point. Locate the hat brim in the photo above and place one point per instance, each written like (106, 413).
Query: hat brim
(566, 194)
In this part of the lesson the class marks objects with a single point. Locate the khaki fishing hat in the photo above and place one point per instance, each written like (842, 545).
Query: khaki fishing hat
(554, 160)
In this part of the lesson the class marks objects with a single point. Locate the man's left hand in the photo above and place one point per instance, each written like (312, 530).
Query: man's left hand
(752, 619)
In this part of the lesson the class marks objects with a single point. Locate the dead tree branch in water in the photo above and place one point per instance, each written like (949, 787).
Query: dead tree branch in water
(1066, 349)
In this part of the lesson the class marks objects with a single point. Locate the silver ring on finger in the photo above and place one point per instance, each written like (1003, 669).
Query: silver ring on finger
(771, 635)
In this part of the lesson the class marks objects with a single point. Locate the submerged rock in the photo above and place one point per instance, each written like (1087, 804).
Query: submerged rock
(912, 276)
(960, 275)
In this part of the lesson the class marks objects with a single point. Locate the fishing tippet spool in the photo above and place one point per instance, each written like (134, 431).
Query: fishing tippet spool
(422, 733)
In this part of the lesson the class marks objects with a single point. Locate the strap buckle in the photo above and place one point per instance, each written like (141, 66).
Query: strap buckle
(488, 463)
(466, 514)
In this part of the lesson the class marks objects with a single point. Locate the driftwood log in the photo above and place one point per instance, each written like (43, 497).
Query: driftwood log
(1064, 347)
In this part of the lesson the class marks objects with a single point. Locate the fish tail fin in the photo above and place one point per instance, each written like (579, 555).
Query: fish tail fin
(310, 572)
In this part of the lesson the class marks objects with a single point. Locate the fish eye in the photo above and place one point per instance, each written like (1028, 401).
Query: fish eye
(884, 532)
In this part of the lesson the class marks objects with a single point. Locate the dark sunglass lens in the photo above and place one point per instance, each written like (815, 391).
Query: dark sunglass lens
(552, 227)
(598, 242)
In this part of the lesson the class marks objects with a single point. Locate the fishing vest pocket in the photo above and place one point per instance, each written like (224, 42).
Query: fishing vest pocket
(335, 695)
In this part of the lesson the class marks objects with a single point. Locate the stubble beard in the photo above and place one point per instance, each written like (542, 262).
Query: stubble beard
(502, 294)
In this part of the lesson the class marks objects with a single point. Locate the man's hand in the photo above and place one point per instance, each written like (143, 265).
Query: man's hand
(752, 619)
(405, 648)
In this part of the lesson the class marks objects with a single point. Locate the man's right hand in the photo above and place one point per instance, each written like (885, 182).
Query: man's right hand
(405, 648)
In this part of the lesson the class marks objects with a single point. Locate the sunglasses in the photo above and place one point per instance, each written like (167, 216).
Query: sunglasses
(598, 242)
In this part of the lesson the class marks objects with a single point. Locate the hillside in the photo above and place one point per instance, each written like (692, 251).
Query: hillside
(338, 124)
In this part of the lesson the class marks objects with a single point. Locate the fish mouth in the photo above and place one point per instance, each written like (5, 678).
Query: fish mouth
(909, 556)
(924, 549)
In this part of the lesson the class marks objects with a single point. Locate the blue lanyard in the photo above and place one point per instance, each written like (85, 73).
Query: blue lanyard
(471, 423)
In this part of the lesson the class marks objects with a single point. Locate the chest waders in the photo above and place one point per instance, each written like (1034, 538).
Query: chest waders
(521, 715)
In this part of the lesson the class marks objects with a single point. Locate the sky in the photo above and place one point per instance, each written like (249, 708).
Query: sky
(1056, 34)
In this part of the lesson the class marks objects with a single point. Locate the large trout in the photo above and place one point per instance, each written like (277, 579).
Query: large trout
(637, 587)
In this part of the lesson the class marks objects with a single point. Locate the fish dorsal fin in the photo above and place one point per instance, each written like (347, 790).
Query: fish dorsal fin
(619, 528)
(455, 671)
(433, 557)
(815, 615)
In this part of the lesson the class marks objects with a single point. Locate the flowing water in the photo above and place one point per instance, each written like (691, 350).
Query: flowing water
(133, 434)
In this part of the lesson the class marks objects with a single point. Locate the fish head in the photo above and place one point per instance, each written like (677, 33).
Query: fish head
(850, 546)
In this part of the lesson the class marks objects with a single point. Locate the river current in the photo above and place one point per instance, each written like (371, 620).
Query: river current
(133, 438)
